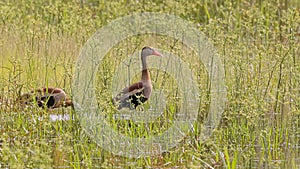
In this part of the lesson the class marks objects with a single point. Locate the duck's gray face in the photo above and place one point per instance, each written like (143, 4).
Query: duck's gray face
(147, 51)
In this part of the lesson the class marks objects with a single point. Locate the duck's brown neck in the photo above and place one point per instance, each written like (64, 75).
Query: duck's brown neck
(145, 74)
(145, 71)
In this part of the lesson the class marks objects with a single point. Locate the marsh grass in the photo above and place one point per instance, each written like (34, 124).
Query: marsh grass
(258, 42)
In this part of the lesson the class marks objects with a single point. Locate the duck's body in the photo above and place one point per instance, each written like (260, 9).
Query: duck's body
(139, 92)
(50, 97)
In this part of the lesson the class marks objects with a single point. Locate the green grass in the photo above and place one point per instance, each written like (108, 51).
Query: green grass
(257, 41)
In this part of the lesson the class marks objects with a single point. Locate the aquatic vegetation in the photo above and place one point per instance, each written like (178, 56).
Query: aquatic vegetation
(257, 41)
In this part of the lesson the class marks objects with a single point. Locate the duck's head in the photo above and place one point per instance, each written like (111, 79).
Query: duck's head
(147, 51)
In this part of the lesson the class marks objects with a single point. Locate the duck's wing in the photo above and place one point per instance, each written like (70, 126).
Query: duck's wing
(52, 90)
(124, 97)
(134, 88)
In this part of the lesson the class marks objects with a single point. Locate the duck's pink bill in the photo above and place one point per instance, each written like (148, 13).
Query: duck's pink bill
(156, 53)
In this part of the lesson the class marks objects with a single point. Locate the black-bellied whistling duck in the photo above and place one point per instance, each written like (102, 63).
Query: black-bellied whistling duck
(50, 97)
(139, 92)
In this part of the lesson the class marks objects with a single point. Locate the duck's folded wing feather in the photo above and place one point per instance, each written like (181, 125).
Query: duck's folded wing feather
(134, 88)
(52, 90)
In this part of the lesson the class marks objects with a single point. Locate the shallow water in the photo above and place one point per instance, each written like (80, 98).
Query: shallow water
(59, 117)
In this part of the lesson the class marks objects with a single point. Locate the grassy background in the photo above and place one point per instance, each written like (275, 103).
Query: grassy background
(258, 42)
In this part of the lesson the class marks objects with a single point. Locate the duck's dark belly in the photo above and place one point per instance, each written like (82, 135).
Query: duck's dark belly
(133, 101)
(46, 100)
(137, 99)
